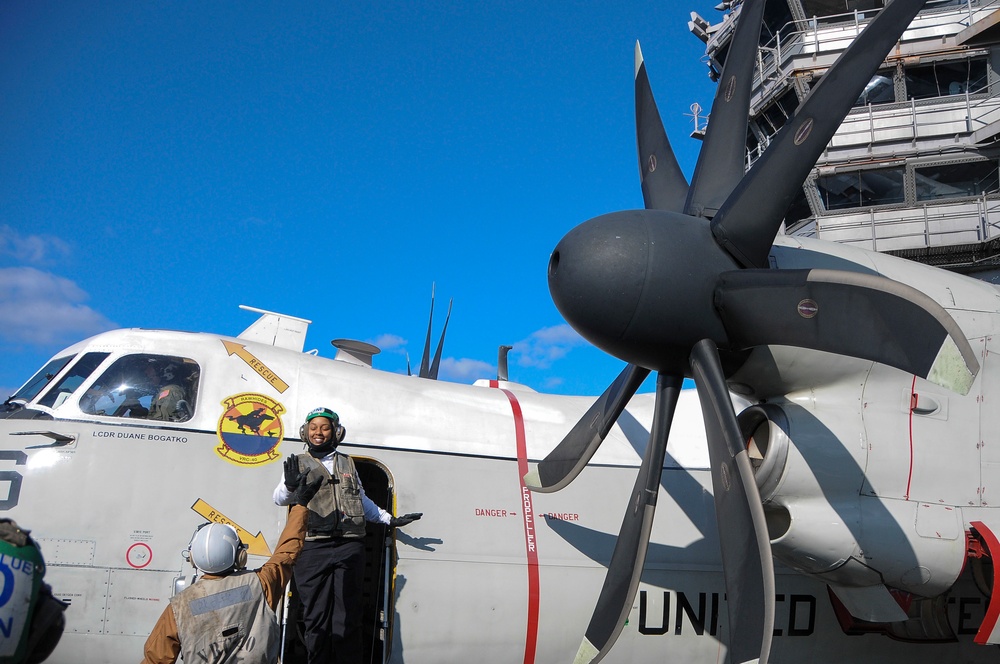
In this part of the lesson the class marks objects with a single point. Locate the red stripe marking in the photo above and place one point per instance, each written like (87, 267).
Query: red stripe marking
(530, 542)
(993, 611)
(909, 477)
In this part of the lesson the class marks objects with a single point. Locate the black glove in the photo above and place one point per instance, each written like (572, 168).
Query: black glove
(291, 472)
(305, 490)
(405, 520)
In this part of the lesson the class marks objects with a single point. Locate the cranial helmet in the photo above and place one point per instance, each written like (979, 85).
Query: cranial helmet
(324, 412)
(216, 548)
(319, 451)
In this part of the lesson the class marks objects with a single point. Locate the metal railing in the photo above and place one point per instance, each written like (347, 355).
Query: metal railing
(929, 225)
(829, 35)
(964, 113)
(949, 116)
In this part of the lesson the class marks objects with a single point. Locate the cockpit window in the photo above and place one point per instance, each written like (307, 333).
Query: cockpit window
(78, 373)
(155, 387)
(41, 379)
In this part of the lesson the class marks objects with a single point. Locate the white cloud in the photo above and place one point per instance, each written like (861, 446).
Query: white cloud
(31, 248)
(40, 308)
(465, 370)
(552, 382)
(546, 346)
(392, 343)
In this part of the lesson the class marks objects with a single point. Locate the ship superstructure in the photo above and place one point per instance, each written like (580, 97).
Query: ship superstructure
(913, 169)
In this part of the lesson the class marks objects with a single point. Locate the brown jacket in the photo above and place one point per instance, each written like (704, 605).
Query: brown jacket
(163, 645)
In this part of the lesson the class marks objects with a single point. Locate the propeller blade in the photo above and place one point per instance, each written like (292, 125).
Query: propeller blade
(848, 313)
(746, 224)
(664, 186)
(436, 364)
(721, 162)
(570, 456)
(746, 548)
(425, 361)
(622, 580)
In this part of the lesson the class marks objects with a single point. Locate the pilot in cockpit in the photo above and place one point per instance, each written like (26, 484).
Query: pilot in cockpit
(145, 386)
(152, 379)
(169, 397)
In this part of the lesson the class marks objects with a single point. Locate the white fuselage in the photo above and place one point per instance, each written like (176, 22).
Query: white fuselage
(492, 573)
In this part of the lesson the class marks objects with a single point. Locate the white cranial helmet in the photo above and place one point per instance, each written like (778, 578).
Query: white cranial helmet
(216, 548)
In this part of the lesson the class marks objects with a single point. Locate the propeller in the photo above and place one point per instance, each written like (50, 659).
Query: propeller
(746, 548)
(629, 555)
(568, 458)
(664, 186)
(720, 162)
(667, 287)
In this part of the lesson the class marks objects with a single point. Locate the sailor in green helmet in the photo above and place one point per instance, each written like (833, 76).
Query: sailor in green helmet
(329, 573)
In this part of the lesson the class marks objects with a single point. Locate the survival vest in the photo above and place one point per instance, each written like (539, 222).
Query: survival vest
(31, 619)
(164, 405)
(336, 509)
(226, 619)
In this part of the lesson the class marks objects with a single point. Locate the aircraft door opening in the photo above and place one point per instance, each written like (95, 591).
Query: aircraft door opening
(380, 561)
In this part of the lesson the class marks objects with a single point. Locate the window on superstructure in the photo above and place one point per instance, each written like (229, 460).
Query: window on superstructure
(879, 90)
(973, 178)
(942, 79)
(798, 209)
(845, 191)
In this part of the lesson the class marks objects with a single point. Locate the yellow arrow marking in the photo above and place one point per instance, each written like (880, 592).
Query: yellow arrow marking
(241, 351)
(257, 545)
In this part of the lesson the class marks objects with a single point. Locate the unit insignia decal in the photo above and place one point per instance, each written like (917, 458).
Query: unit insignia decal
(250, 429)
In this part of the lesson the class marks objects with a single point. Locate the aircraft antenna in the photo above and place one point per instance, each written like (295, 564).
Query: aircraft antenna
(502, 363)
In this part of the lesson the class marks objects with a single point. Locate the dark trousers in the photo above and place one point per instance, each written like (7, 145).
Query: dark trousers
(329, 575)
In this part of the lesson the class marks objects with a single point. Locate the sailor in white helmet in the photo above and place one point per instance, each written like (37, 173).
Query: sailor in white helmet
(227, 615)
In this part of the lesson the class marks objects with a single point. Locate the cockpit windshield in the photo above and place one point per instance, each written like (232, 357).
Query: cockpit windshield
(78, 373)
(38, 382)
(156, 387)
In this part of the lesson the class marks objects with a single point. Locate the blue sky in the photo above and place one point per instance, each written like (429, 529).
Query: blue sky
(162, 163)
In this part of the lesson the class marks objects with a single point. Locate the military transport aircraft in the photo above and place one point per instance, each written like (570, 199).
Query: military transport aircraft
(843, 515)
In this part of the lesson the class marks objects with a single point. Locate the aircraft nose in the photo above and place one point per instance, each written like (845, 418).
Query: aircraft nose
(597, 273)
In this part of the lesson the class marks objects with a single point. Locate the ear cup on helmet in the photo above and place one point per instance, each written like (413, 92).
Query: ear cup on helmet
(340, 433)
(241, 557)
(302, 432)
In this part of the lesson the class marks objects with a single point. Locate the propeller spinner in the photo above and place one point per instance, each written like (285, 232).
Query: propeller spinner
(666, 287)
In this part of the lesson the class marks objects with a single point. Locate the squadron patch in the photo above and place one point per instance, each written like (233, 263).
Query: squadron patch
(250, 429)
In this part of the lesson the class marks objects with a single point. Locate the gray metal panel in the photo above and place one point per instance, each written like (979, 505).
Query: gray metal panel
(136, 598)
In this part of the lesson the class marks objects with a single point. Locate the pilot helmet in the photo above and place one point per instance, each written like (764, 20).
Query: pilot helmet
(216, 549)
(162, 368)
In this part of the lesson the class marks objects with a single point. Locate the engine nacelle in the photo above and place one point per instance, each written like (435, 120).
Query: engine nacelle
(819, 522)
